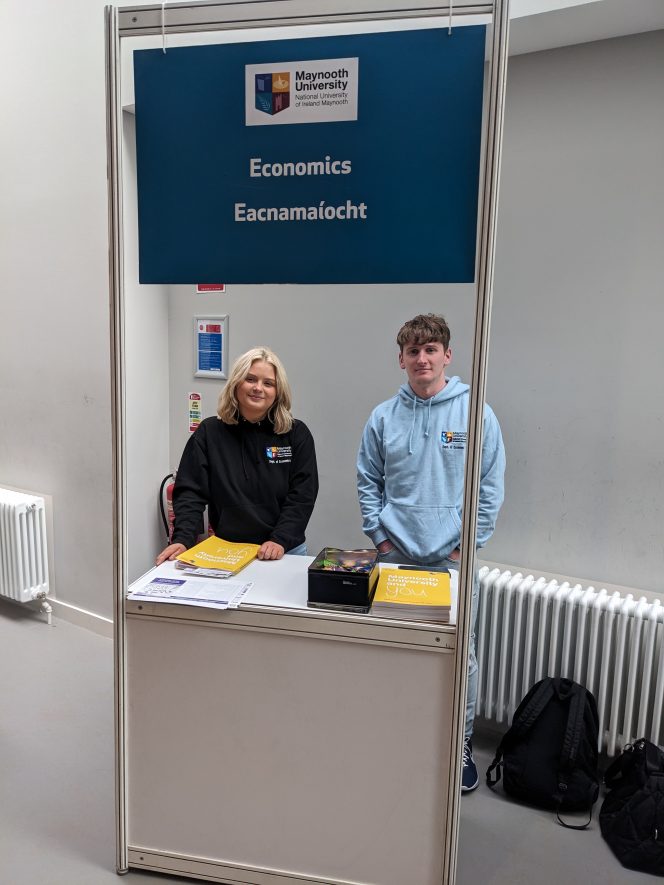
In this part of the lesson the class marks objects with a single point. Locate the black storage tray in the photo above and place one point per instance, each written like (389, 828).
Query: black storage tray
(333, 585)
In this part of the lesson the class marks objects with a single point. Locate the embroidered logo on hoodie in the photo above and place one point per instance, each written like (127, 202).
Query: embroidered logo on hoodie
(279, 454)
(453, 439)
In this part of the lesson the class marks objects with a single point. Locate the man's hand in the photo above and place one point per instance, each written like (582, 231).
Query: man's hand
(385, 546)
(270, 550)
(170, 552)
(455, 555)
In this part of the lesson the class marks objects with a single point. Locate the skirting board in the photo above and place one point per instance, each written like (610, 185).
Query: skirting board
(62, 610)
(66, 612)
(82, 618)
(216, 871)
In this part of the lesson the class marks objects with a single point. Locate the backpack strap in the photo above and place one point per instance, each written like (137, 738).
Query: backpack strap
(497, 765)
(570, 750)
(522, 723)
(573, 729)
(531, 711)
(575, 826)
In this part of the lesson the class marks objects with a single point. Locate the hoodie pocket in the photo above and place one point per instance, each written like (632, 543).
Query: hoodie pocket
(425, 534)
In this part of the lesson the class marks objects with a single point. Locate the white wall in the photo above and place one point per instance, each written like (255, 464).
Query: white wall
(147, 385)
(54, 334)
(576, 357)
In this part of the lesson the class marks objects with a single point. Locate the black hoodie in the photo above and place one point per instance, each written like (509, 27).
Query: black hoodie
(259, 485)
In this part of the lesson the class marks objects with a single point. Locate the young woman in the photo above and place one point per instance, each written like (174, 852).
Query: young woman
(253, 466)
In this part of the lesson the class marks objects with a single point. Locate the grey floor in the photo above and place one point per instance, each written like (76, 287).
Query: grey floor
(56, 780)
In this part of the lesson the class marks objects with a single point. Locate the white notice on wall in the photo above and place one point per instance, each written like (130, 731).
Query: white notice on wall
(194, 411)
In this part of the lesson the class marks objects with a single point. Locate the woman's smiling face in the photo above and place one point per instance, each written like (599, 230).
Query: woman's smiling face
(257, 393)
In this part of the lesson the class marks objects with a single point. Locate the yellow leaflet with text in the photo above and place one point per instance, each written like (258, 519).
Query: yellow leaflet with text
(413, 587)
(215, 553)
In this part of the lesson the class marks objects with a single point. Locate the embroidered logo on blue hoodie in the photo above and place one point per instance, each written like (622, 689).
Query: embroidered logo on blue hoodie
(453, 439)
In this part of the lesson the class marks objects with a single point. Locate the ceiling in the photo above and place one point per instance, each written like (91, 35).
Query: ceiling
(546, 24)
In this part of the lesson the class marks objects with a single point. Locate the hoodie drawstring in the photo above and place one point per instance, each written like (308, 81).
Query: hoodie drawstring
(249, 444)
(244, 466)
(412, 429)
(426, 429)
(429, 403)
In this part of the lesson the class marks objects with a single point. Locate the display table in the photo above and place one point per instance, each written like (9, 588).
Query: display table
(273, 743)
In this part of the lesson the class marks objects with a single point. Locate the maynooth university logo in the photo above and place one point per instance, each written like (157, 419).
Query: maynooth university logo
(273, 92)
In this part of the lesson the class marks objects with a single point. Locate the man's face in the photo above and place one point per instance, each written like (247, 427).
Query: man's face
(425, 366)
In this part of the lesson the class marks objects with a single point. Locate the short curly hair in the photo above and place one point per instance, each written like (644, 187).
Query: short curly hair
(423, 328)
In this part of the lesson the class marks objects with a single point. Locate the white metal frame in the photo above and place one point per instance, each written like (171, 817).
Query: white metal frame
(179, 18)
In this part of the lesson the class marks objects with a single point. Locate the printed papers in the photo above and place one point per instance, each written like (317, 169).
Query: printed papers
(414, 595)
(184, 591)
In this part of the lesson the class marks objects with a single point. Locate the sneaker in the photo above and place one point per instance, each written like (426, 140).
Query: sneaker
(469, 777)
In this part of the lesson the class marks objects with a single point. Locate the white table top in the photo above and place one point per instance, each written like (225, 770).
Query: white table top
(276, 584)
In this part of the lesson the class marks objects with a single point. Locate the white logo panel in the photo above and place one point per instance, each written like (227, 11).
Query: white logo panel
(321, 91)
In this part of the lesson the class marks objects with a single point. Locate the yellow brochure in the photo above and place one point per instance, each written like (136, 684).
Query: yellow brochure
(215, 553)
(413, 587)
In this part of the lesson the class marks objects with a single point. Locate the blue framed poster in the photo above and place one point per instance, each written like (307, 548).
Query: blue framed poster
(211, 346)
(350, 159)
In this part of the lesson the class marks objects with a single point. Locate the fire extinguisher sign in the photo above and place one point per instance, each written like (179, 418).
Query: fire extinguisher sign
(194, 411)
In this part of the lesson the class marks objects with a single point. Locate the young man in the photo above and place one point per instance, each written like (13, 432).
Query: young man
(410, 472)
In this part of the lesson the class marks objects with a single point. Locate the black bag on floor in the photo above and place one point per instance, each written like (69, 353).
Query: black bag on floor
(632, 814)
(549, 755)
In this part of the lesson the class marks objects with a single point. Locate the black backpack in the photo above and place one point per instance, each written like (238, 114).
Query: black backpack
(549, 755)
(632, 815)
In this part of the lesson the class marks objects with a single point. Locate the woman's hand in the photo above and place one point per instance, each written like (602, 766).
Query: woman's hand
(170, 552)
(270, 550)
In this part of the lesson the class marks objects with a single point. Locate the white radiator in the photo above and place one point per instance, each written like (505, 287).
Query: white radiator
(23, 554)
(529, 628)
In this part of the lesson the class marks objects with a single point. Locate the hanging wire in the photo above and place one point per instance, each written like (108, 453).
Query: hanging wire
(163, 26)
(449, 26)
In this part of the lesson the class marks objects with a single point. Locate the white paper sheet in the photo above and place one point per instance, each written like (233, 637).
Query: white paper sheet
(189, 591)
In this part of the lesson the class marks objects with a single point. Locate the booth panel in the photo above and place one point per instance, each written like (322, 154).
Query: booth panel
(311, 756)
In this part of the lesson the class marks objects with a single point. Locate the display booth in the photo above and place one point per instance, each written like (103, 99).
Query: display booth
(274, 743)
(270, 742)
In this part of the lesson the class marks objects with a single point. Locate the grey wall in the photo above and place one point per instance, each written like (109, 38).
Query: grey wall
(54, 334)
(576, 356)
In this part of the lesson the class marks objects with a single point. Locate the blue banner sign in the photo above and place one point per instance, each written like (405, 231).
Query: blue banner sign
(349, 159)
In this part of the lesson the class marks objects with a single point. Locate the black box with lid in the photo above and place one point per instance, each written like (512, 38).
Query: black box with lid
(343, 579)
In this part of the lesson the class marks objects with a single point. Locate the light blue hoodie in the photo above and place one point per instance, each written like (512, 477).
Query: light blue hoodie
(410, 472)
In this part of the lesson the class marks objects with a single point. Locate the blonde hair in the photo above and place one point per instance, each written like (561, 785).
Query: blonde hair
(228, 407)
